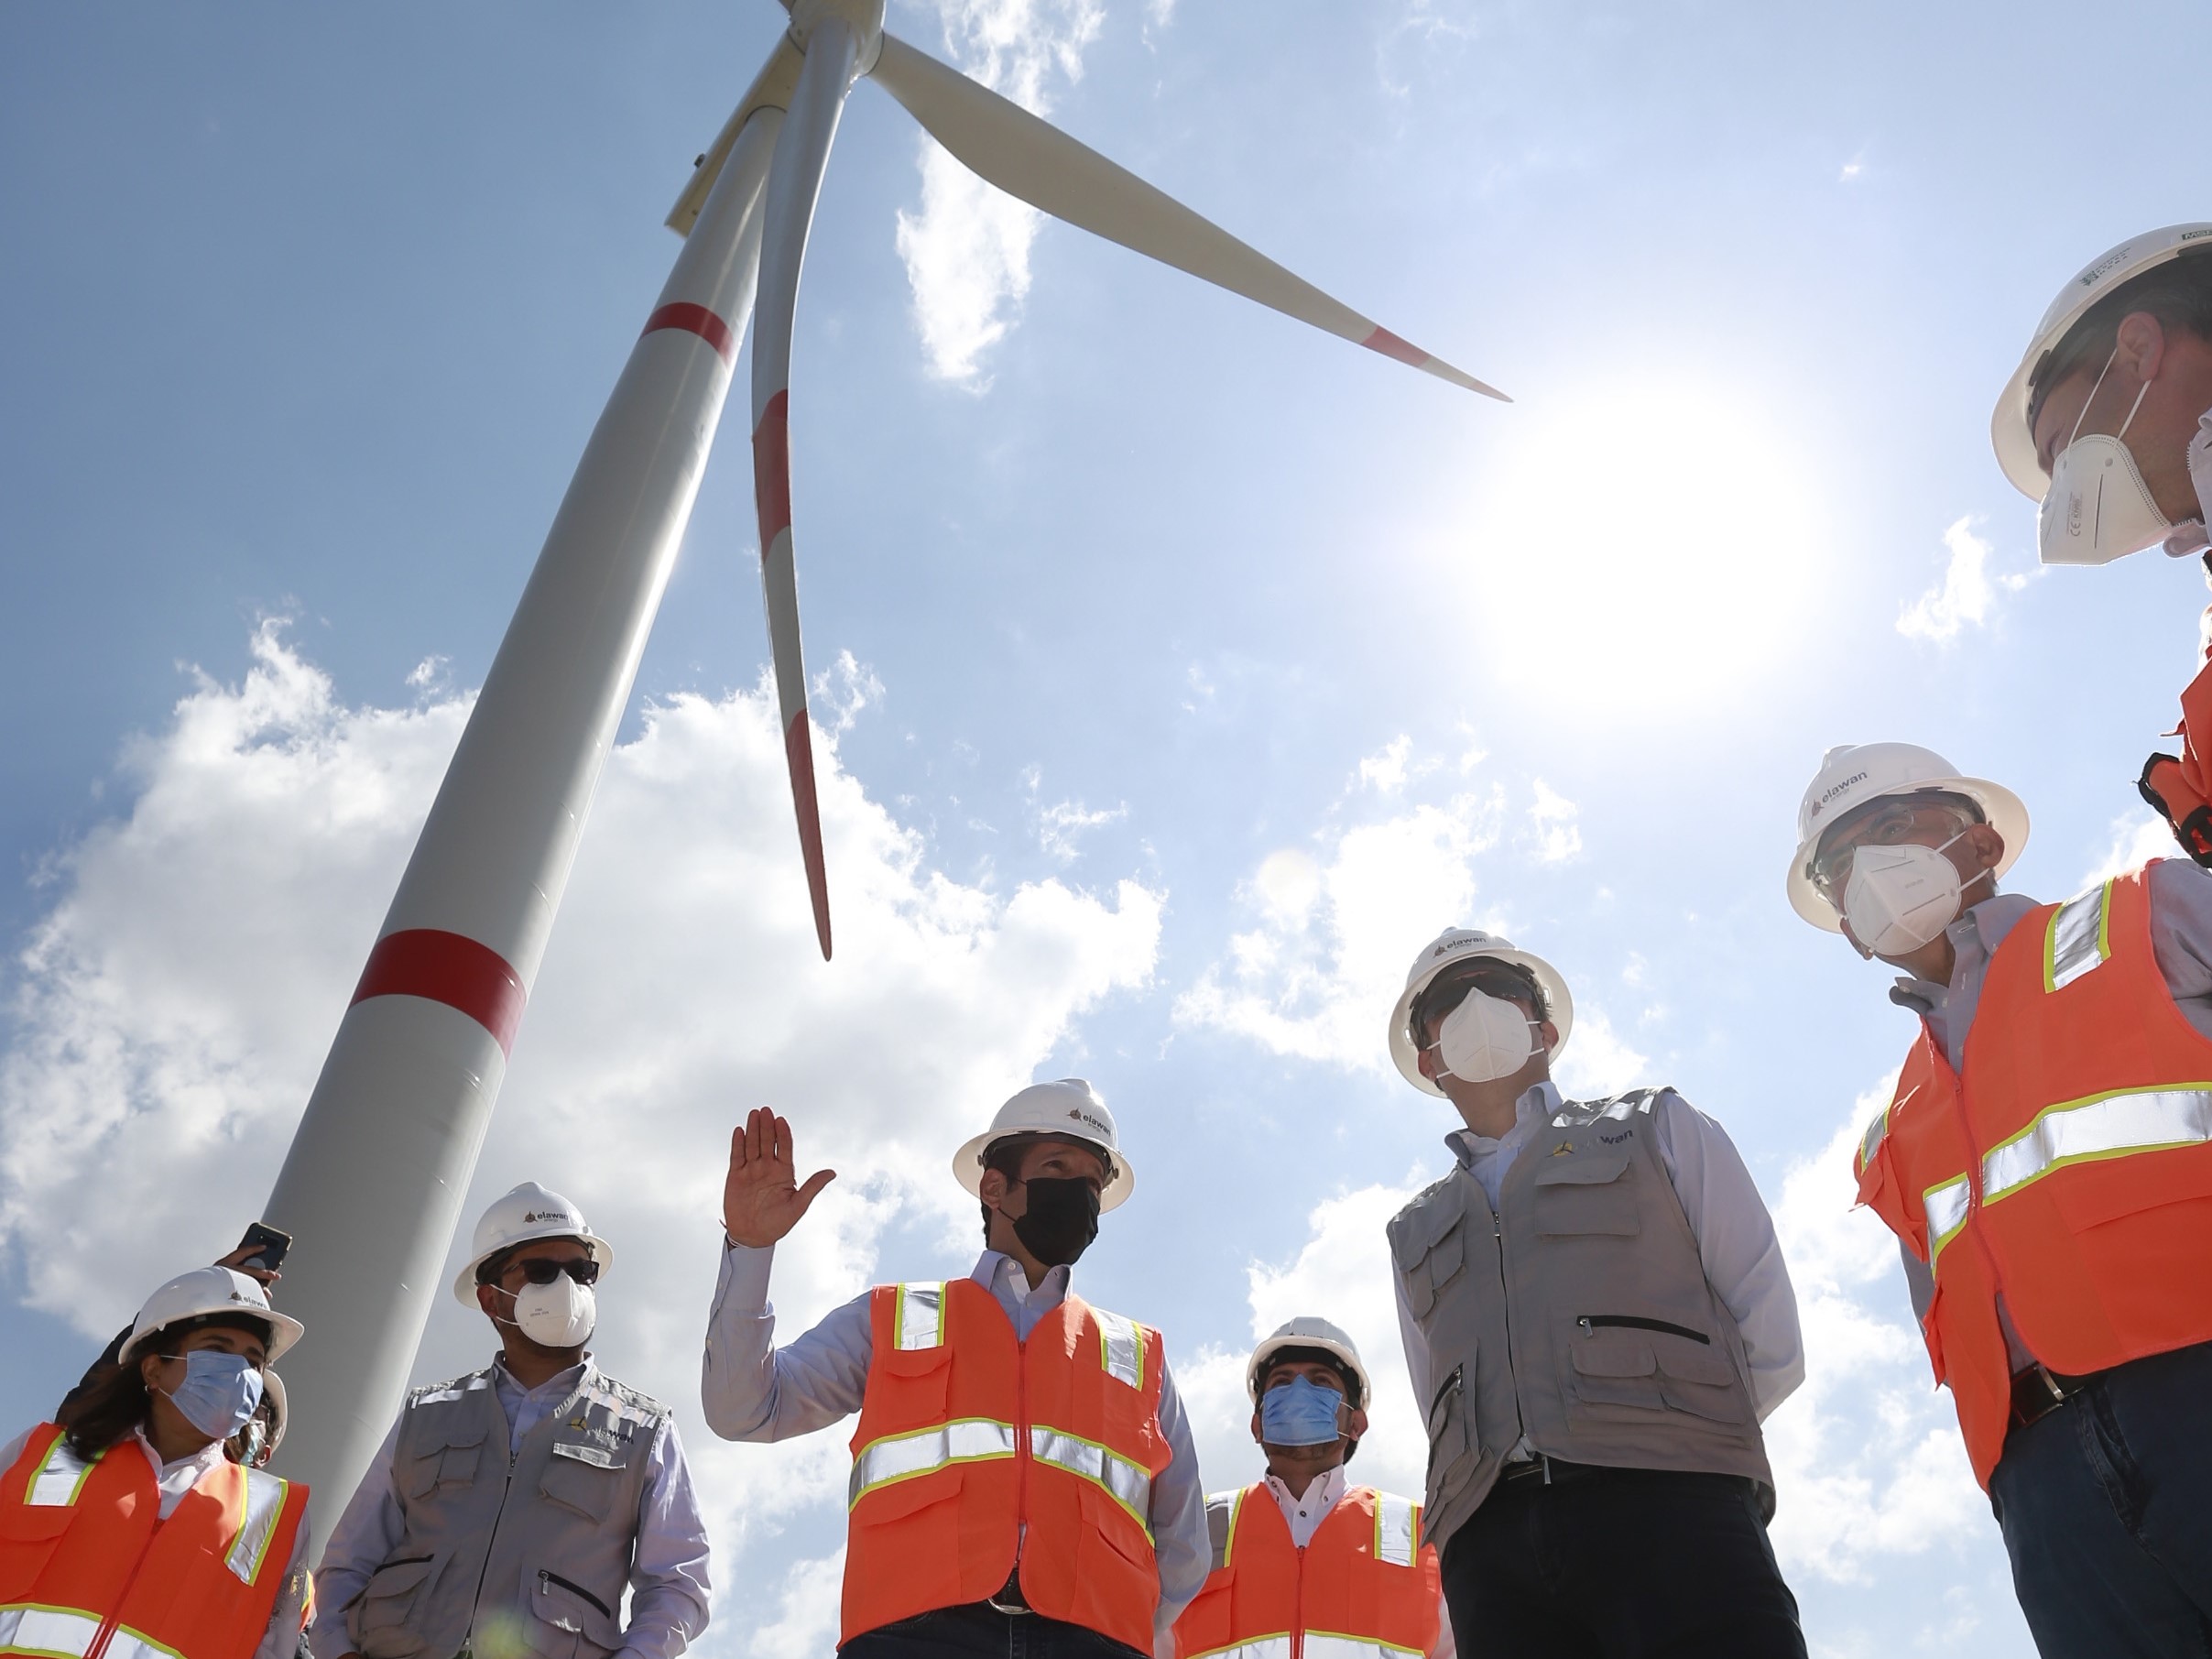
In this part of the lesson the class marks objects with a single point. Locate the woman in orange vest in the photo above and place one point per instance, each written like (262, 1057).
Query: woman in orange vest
(1305, 1565)
(2046, 1165)
(128, 1531)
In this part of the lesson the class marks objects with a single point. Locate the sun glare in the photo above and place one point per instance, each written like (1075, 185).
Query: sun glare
(1642, 548)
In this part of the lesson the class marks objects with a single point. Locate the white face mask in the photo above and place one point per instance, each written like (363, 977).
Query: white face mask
(1898, 897)
(2097, 507)
(561, 1315)
(1486, 1038)
(2192, 538)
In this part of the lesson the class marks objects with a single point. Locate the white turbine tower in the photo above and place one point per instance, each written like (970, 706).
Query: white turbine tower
(372, 1186)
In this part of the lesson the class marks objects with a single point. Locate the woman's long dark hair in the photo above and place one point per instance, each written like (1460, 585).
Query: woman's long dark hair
(109, 1409)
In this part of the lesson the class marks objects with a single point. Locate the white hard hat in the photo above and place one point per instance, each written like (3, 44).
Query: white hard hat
(1306, 1331)
(529, 1212)
(280, 1413)
(2009, 427)
(1457, 944)
(209, 1290)
(1851, 774)
(1069, 1110)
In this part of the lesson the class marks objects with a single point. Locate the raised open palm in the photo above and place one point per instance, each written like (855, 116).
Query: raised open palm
(762, 1199)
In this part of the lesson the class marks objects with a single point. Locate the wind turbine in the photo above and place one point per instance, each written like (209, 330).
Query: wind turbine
(372, 1185)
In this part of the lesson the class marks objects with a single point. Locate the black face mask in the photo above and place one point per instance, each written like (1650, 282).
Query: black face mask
(1061, 1219)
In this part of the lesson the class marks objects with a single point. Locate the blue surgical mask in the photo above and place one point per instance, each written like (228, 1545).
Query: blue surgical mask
(219, 1394)
(1298, 1412)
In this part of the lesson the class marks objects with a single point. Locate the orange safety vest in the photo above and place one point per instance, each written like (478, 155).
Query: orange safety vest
(2070, 1172)
(1361, 1588)
(975, 1449)
(87, 1570)
(2180, 787)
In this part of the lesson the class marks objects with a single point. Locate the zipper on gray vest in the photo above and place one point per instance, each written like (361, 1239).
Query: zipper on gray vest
(506, 1486)
(1635, 1323)
(1505, 1301)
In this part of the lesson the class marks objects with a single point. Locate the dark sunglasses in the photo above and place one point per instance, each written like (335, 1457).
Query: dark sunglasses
(544, 1270)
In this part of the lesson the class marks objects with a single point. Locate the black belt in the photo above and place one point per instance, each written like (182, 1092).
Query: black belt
(2040, 1391)
(1547, 1471)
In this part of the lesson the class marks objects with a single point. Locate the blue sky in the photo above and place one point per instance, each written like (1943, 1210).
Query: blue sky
(1199, 666)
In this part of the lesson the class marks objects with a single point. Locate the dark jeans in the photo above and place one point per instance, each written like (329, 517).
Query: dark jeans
(1619, 1563)
(2106, 1505)
(984, 1634)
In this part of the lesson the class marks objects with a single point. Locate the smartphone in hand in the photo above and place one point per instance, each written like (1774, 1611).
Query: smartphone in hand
(273, 1243)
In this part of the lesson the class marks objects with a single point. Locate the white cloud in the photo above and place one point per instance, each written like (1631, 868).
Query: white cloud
(2137, 838)
(1867, 1455)
(1597, 1062)
(844, 691)
(805, 1626)
(1553, 833)
(174, 1002)
(1315, 977)
(1967, 592)
(1058, 826)
(967, 251)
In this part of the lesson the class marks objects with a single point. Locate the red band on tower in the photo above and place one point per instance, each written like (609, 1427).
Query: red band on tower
(696, 320)
(450, 968)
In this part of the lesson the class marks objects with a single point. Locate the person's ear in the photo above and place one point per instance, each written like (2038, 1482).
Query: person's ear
(1988, 845)
(2140, 344)
(994, 1190)
(1844, 923)
(1550, 1033)
(149, 1368)
(1356, 1427)
(1256, 1439)
(487, 1298)
(1425, 1060)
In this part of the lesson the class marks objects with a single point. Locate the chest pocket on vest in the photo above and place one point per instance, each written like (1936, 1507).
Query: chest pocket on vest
(30, 1535)
(1665, 1373)
(1429, 1245)
(586, 1478)
(1586, 1193)
(450, 1460)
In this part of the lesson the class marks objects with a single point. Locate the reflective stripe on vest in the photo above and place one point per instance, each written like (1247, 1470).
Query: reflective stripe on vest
(47, 1630)
(2103, 1126)
(919, 1321)
(1871, 1142)
(61, 1477)
(1265, 1647)
(925, 1451)
(1396, 1529)
(1126, 1483)
(1947, 1207)
(1120, 1346)
(264, 1508)
(1319, 1644)
(2077, 940)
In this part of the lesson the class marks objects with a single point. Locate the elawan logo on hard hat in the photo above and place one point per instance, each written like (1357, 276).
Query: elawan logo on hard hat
(1828, 795)
(531, 1218)
(1076, 1114)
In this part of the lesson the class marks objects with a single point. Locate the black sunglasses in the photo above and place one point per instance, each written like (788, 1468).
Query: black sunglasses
(544, 1270)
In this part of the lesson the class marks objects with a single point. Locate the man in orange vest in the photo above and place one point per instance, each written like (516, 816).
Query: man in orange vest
(2046, 1165)
(1304, 1563)
(2107, 423)
(1023, 1480)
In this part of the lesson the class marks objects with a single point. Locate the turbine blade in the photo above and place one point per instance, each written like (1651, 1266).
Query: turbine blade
(1035, 162)
(802, 151)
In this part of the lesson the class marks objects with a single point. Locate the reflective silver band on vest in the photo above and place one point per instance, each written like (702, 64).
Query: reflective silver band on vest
(1397, 1526)
(1871, 1142)
(1262, 1647)
(904, 1456)
(2109, 1126)
(264, 1508)
(1120, 1346)
(1321, 1645)
(47, 1630)
(1946, 1207)
(129, 1644)
(60, 1478)
(1126, 1483)
(918, 1317)
(2077, 940)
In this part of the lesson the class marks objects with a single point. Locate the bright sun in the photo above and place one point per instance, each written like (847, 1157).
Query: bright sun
(1640, 547)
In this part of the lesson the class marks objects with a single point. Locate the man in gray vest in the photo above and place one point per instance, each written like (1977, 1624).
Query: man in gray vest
(510, 1510)
(1597, 1319)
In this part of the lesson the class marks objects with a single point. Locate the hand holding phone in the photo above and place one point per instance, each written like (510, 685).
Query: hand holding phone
(260, 1251)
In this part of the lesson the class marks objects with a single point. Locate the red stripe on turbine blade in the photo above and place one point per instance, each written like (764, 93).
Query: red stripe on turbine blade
(1390, 345)
(696, 320)
(799, 751)
(772, 469)
(450, 968)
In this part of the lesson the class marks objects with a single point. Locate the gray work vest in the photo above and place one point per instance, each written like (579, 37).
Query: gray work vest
(1578, 1316)
(514, 1550)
